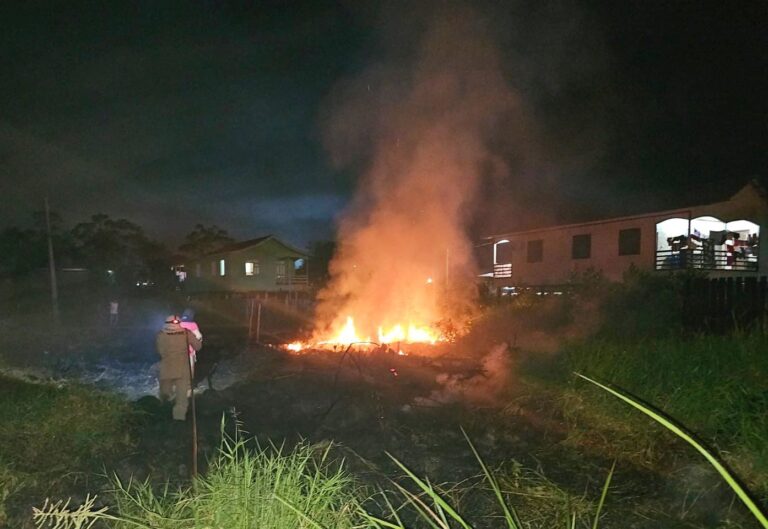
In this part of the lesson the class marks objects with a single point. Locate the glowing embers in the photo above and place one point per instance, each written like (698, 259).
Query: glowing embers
(398, 334)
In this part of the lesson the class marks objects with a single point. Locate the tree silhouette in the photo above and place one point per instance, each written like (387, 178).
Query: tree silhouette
(204, 239)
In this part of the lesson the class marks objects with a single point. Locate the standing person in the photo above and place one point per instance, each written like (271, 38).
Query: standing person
(188, 322)
(114, 307)
(173, 344)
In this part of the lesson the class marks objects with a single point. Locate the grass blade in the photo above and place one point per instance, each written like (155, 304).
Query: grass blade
(603, 495)
(427, 489)
(298, 512)
(513, 522)
(681, 432)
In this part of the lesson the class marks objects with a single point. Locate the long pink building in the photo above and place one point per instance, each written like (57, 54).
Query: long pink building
(720, 239)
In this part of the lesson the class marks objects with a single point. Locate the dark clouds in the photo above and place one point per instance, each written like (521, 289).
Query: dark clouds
(171, 113)
(155, 111)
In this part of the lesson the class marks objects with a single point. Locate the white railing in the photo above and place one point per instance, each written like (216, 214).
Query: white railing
(502, 270)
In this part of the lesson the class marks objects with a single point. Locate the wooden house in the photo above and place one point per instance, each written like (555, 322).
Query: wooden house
(262, 265)
(720, 239)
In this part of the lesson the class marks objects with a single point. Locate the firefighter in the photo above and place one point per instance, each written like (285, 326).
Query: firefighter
(173, 343)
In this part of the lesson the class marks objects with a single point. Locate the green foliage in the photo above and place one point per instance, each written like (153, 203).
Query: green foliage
(676, 428)
(645, 303)
(718, 383)
(245, 486)
(50, 432)
(50, 428)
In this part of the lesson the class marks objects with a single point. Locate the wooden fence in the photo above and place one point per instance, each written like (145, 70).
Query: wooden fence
(726, 302)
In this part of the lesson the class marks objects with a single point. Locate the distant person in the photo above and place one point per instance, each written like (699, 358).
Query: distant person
(114, 308)
(188, 322)
(173, 344)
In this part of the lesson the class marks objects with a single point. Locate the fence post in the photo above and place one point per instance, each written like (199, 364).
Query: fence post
(250, 317)
(761, 295)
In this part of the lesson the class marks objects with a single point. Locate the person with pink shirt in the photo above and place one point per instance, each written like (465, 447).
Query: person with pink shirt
(188, 322)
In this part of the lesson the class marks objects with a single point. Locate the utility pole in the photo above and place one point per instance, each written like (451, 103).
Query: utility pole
(52, 267)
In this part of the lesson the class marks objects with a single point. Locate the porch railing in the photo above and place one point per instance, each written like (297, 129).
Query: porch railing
(502, 270)
(298, 280)
(701, 260)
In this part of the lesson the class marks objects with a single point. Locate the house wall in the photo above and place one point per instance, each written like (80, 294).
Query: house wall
(558, 264)
(267, 254)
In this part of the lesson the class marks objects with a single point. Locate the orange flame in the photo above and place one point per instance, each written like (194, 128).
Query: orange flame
(395, 335)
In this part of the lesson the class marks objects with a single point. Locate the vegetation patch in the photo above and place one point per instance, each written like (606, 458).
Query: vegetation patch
(53, 435)
(717, 384)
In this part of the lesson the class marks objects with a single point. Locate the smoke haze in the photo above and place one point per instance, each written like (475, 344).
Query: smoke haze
(419, 137)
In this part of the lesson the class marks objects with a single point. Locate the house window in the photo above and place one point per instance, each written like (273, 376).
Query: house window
(252, 268)
(222, 267)
(198, 269)
(535, 251)
(582, 246)
(280, 271)
(629, 241)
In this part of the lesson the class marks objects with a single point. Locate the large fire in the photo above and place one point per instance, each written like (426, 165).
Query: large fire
(403, 268)
(348, 334)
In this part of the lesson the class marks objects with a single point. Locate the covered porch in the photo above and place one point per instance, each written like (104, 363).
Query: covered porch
(707, 243)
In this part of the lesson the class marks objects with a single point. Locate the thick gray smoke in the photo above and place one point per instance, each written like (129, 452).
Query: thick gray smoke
(419, 135)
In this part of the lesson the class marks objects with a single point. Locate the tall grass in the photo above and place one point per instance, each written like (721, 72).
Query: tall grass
(719, 384)
(245, 487)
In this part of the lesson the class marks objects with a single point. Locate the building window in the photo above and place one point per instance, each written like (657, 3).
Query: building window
(535, 251)
(582, 246)
(198, 270)
(252, 268)
(629, 241)
(222, 267)
(280, 271)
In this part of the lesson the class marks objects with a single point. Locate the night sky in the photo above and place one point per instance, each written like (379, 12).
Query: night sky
(174, 113)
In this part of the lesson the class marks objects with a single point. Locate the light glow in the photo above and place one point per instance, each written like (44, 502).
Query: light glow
(348, 334)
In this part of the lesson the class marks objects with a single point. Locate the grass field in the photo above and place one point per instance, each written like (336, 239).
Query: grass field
(54, 438)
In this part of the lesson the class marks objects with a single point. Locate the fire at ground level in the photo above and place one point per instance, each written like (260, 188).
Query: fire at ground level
(372, 402)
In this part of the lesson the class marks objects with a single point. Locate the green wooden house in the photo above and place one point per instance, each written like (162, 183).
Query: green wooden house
(266, 264)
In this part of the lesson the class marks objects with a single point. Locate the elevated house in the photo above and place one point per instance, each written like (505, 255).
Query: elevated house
(262, 265)
(720, 239)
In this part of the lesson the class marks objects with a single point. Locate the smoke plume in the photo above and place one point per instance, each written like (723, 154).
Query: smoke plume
(483, 388)
(419, 135)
